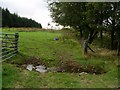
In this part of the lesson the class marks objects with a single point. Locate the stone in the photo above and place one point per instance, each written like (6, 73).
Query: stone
(29, 67)
(82, 73)
(41, 69)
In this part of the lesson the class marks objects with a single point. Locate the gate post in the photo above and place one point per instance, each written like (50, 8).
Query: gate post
(16, 41)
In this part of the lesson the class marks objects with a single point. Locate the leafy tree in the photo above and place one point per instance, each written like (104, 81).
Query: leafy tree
(66, 14)
(88, 18)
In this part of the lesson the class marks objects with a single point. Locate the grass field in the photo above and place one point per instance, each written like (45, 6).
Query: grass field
(40, 45)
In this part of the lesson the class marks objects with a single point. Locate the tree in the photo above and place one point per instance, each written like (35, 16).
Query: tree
(113, 20)
(88, 18)
(78, 16)
(66, 14)
(13, 20)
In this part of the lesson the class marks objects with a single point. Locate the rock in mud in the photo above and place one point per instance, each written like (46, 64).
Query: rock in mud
(40, 69)
(29, 67)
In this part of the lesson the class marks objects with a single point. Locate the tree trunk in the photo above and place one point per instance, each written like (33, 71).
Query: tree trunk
(112, 34)
(112, 39)
(81, 34)
(89, 41)
(92, 36)
(118, 49)
(85, 48)
(101, 36)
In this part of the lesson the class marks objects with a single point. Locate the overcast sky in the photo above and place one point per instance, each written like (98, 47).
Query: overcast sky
(34, 9)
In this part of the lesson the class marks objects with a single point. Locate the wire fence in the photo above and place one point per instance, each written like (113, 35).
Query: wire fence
(9, 46)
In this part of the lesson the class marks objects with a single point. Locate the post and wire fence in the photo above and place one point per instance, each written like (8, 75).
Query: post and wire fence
(9, 43)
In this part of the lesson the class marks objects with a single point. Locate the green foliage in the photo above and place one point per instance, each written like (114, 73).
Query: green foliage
(13, 20)
(66, 13)
(89, 18)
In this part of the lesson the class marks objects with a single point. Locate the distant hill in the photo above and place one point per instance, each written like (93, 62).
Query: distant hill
(13, 20)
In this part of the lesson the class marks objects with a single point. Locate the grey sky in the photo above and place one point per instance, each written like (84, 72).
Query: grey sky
(35, 9)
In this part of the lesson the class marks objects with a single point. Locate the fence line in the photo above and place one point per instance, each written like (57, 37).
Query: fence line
(9, 43)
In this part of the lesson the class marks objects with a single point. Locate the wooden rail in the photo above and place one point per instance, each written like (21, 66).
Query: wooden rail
(9, 46)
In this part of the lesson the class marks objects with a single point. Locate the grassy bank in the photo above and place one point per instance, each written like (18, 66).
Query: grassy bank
(67, 52)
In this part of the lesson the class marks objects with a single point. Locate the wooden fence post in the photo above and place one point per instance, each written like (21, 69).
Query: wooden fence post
(16, 41)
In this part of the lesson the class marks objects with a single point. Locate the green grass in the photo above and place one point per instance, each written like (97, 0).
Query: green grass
(41, 45)
(14, 77)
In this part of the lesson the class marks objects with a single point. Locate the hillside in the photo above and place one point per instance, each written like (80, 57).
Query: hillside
(14, 20)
